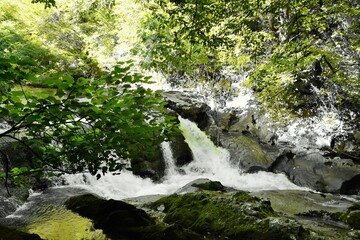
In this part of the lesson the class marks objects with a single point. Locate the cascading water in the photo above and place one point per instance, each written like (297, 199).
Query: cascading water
(317, 131)
(209, 162)
(168, 158)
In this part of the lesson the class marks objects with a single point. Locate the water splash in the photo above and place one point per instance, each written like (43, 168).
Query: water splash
(170, 167)
(319, 130)
(209, 162)
(315, 132)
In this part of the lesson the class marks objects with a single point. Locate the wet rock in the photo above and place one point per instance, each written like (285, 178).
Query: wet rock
(246, 152)
(228, 216)
(351, 186)
(349, 219)
(353, 219)
(150, 165)
(13, 234)
(181, 151)
(203, 184)
(210, 186)
(293, 202)
(8, 205)
(188, 106)
(317, 172)
(117, 219)
(123, 221)
(103, 211)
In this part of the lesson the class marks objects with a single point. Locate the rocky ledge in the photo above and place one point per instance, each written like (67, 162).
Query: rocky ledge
(208, 210)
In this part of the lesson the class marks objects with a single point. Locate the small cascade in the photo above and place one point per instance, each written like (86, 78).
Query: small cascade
(168, 158)
(318, 131)
(208, 159)
(315, 132)
(209, 162)
(214, 163)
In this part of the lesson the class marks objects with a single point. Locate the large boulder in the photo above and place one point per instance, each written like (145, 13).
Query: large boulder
(150, 165)
(251, 120)
(202, 184)
(317, 172)
(188, 106)
(123, 221)
(351, 186)
(117, 219)
(237, 215)
(246, 151)
(181, 151)
(331, 216)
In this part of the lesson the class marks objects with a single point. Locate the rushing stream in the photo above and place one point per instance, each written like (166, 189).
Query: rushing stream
(209, 162)
(45, 214)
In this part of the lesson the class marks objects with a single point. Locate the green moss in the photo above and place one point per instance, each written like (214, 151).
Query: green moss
(252, 147)
(232, 216)
(211, 186)
(353, 219)
(58, 223)
(292, 202)
(355, 206)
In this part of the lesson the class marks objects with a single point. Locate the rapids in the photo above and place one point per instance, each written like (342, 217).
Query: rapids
(209, 162)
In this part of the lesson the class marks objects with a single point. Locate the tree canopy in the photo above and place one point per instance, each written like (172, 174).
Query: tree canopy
(64, 97)
(294, 53)
(69, 111)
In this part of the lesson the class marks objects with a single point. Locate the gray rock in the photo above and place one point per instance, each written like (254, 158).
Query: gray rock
(189, 188)
(315, 171)
(246, 152)
(188, 106)
(203, 184)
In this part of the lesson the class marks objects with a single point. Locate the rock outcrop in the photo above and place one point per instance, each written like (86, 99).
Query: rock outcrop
(317, 172)
(122, 221)
(188, 106)
(252, 143)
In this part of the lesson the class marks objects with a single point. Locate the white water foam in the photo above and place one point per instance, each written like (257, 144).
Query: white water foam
(209, 162)
(315, 132)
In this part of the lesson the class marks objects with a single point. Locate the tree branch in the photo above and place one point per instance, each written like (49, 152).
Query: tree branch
(36, 154)
(6, 163)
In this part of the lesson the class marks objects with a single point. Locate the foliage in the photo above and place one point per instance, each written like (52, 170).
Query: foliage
(88, 124)
(47, 3)
(22, 36)
(58, 102)
(297, 54)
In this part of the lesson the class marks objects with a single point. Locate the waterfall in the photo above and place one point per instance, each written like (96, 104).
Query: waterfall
(317, 131)
(209, 162)
(168, 158)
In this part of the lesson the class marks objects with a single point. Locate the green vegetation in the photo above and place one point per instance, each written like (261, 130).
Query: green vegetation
(296, 54)
(58, 223)
(89, 113)
(228, 216)
(81, 116)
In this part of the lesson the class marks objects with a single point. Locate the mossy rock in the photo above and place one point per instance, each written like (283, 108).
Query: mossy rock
(246, 152)
(149, 165)
(352, 216)
(13, 234)
(349, 219)
(105, 212)
(228, 216)
(117, 219)
(123, 221)
(211, 186)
